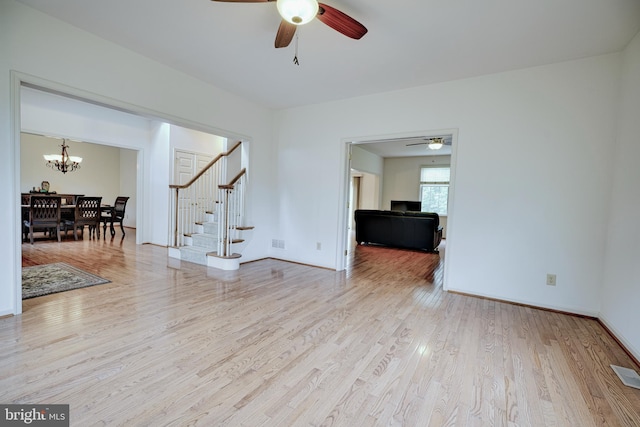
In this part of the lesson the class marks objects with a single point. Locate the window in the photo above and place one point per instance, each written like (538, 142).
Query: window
(434, 189)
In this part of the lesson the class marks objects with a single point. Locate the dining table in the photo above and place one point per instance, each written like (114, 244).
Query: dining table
(67, 212)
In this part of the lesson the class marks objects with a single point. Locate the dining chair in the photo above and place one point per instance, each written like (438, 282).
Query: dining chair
(44, 213)
(114, 215)
(86, 212)
(25, 201)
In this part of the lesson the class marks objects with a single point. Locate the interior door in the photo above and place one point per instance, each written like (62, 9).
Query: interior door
(187, 165)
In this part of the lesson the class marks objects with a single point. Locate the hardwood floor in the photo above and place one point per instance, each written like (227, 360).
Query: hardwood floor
(278, 343)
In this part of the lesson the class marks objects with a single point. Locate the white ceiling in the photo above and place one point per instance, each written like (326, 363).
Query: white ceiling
(409, 43)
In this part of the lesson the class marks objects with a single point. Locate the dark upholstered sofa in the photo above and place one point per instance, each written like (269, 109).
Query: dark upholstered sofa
(410, 230)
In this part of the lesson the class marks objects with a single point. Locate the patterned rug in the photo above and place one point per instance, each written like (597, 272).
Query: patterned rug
(51, 278)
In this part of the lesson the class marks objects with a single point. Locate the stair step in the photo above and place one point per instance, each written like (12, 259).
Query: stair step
(210, 228)
(244, 227)
(194, 254)
(209, 241)
(231, 262)
(232, 256)
(205, 240)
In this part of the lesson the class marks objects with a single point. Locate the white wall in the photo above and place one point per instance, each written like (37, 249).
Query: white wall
(402, 180)
(369, 191)
(10, 271)
(40, 49)
(159, 176)
(370, 168)
(195, 141)
(402, 177)
(366, 161)
(98, 162)
(541, 211)
(128, 175)
(621, 290)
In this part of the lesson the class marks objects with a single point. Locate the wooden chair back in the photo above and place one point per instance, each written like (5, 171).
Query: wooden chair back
(87, 211)
(119, 206)
(115, 215)
(44, 211)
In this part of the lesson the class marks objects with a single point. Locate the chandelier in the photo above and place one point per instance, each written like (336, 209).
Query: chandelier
(63, 162)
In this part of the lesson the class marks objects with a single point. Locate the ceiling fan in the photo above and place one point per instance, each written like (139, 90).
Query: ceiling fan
(300, 12)
(433, 143)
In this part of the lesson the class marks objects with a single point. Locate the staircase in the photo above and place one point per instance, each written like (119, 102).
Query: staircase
(208, 216)
(201, 247)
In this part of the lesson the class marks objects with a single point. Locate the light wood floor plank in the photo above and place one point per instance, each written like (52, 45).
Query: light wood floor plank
(276, 343)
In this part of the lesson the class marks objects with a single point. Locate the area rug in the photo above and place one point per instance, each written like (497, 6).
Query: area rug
(58, 277)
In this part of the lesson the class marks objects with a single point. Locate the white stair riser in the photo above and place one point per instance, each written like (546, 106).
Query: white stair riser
(199, 256)
(224, 263)
(210, 228)
(191, 254)
(205, 241)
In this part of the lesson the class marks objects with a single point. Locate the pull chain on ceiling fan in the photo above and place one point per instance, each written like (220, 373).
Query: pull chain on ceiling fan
(295, 57)
(300, 12)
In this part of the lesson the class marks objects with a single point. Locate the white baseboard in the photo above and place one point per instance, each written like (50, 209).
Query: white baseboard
(635, 352)
(563, 309)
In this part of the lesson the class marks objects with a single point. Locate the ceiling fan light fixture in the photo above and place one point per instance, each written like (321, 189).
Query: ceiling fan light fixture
(297, 12)
(435, 144)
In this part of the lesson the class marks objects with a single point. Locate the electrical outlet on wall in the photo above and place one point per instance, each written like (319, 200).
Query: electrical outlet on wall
(318, 246)
(551, 279)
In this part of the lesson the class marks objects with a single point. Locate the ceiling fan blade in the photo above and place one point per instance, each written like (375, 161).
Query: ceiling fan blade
(444, 140)
(285, 34)
(341, 22)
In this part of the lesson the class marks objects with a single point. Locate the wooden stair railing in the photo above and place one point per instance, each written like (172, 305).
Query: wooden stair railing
(193, 200)
(231, 222)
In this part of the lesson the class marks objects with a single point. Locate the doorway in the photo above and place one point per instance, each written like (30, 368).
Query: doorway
(149, 141)
(397, 160)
